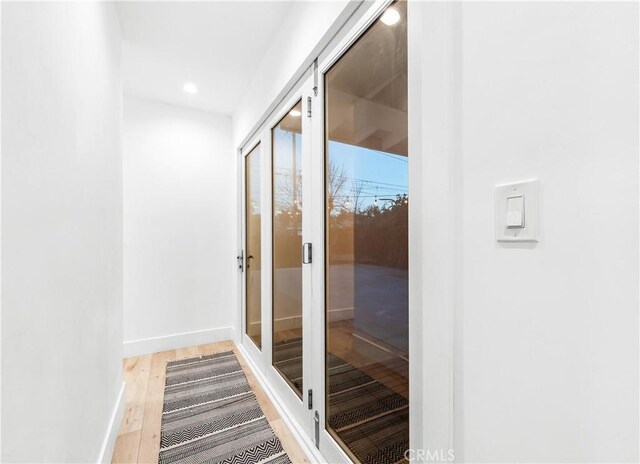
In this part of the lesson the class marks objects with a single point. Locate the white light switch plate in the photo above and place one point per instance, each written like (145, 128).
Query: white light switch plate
(531, 230)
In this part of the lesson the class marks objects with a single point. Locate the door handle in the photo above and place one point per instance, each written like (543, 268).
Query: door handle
(307, 257)
(316, 419)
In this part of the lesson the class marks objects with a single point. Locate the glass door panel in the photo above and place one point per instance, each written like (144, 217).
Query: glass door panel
(287, 247)
(253, 250)
(366, 280)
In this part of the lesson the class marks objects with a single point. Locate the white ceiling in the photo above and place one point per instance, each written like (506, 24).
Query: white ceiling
(215, 45)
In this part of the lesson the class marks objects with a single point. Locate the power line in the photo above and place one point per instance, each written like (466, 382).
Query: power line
(371, 181)
(395, 157)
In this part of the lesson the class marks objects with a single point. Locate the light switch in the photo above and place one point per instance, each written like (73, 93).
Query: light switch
(515, 212)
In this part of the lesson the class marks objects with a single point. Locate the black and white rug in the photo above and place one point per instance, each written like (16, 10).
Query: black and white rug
(371, 419)
(211, 415)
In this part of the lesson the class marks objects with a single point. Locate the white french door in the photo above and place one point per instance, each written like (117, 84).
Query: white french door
(325, 285)
(289, 288)
(361, 286)
(277, 332)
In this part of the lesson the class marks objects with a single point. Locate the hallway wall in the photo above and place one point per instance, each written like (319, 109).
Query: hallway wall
(545, 339)
(302, 29)
(61, 230)
(179, 210)
(550, 334)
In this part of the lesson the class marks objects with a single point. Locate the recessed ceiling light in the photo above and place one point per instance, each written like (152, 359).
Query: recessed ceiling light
(295, 113)
(190, 87)
(390, 17)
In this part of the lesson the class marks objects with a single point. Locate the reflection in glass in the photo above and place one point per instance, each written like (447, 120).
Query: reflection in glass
(253, 260)
(287, 248)
(367, 244)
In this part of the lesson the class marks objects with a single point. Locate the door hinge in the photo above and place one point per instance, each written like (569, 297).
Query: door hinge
(310, 399)
(308, 107)
(240, 258)
(315, 77)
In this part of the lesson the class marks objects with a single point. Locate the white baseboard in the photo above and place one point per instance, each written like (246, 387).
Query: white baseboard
(175, 341)
(340, 314)
(109, 442)
(309, 449)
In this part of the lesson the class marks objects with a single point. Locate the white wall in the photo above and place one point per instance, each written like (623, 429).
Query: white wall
(61, 229)
(550, 90)
(303, 27)
(545, 336)
(179, 229)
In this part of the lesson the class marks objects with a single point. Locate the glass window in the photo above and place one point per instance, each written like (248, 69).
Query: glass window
(253, 259)
(287, 247)
(367, 243)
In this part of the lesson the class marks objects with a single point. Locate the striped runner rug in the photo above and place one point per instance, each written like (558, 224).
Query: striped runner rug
(211, 415)
(371, 419)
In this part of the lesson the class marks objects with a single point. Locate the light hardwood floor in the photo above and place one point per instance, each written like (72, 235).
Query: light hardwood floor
(139, 434)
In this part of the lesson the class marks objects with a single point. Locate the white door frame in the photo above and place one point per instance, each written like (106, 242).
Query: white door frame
(435, 258)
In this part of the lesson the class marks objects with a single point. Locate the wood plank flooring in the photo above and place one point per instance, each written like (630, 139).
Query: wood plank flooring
(139, 435)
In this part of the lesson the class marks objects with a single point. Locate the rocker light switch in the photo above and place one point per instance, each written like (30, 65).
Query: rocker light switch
(515, 212)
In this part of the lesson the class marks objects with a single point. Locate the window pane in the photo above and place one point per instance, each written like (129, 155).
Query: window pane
(367, 243)
(287, 248)
(254, 264)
